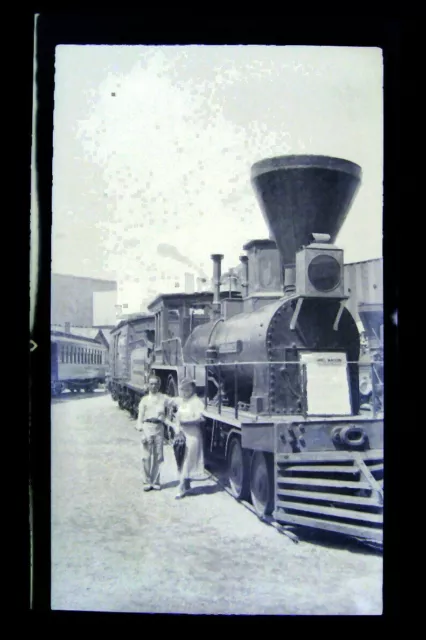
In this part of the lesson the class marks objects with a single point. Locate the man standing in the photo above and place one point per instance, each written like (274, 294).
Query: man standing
(151, 414)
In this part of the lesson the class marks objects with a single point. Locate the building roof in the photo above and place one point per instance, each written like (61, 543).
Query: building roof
(70, 337)
(349, 264)
(132, 317)
(106, 333)
(82, 332)
(68, 275)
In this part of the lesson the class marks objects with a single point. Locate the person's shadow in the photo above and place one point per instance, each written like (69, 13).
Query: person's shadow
(195, 491)
(170, 485)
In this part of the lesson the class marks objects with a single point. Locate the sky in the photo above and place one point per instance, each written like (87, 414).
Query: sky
(153, 148)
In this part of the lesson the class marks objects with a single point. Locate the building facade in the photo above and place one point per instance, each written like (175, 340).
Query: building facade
(73, 301)
(364, 284)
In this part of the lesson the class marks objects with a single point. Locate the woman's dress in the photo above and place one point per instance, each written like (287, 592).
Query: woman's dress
(193, 462)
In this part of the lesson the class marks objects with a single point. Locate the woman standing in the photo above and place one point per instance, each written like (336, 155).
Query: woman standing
(189, 417)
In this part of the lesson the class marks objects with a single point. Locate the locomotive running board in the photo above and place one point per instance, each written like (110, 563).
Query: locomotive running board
(335, 491)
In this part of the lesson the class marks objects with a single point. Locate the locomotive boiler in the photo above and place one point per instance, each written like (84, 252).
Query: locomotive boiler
(278, 365)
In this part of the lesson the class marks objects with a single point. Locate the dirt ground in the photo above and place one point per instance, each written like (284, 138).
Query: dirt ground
(116, 548)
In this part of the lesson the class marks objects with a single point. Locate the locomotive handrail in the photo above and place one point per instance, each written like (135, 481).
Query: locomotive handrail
(269, 362)
(218, 368)
(213, 328)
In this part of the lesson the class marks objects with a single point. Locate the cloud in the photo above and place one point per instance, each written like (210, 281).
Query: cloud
(174, 146)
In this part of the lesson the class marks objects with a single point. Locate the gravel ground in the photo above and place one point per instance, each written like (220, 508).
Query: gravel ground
(116, 548)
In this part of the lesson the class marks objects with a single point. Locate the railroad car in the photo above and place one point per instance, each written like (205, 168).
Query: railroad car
(131, 352)
(77, 363)
(278, 364)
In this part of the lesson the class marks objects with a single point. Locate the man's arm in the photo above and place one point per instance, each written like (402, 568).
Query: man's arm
(141, 414)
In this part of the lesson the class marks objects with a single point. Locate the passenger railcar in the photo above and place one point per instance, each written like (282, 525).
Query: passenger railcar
(278, 365)
(77, 363)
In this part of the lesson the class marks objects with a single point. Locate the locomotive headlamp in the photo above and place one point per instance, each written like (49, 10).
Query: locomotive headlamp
(319, 270)
(324, 273)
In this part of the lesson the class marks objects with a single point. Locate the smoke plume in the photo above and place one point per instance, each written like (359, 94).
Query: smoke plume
(170, 251)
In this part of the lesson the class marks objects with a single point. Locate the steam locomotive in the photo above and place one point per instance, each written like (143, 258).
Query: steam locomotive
(278, 365)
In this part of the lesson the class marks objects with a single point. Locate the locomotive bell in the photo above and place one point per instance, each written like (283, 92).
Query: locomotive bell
(304, 198)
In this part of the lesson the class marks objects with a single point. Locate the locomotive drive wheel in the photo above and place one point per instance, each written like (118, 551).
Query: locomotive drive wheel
(261, 484)
(238, 470)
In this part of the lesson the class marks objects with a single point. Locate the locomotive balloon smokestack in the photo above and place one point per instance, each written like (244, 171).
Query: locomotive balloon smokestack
(303, 195)
(217, 274)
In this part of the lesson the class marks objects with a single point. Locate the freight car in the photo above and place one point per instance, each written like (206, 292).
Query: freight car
(278, 366)
(131, 352)
(77, 363)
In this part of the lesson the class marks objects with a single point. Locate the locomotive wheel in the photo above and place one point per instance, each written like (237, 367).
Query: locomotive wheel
(238, 470)
(261, 484)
